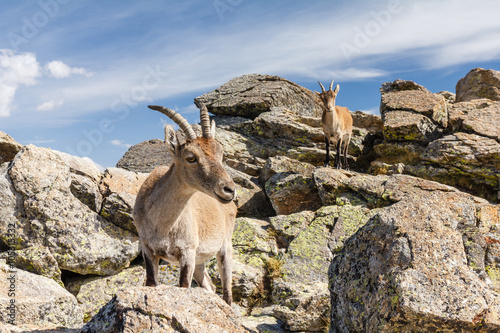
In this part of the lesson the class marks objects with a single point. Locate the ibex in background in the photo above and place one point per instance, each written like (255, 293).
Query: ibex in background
(337, 125)
(185, 213)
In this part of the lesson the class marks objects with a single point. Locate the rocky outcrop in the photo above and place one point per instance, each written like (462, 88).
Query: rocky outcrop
(312, 245)
(433, 137)
(165, 309)
(477, 84)
(250, 95)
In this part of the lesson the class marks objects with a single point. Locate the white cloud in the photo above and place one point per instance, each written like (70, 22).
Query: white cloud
(16, 69)
(60, 70)
(50, 105)
(120, 143)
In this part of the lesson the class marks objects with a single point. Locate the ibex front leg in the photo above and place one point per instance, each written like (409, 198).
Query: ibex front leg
(152, 263)
(187, 263)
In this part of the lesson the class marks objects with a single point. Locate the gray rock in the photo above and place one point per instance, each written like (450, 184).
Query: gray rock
(36, 259)
(481, 117)
(310, 252)
(368, 121)
(409, 126)
(41, 210)
(302, 307)
(251, 199)
(117, 180)
(279, 164)
(291, 192)
(430, 105)
(252, 242)
(467, 161)
(479, 83)
(37, 300)
(287, 227)
(406, 268)
(164, 309)
(118, 208)
(249, 95)
(92, 293)
(145, 156)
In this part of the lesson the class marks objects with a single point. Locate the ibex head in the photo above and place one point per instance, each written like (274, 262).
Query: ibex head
(328, 97)
(198, 160)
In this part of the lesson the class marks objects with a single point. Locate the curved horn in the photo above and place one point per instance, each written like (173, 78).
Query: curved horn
(177, 118)
(204, 120)
(322, 88)
(331, 84)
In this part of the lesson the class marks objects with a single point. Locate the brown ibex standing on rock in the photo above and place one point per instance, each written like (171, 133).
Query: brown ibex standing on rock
(185, 213)
(337, 125)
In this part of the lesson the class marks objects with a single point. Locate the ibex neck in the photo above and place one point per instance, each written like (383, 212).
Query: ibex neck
(176, 193)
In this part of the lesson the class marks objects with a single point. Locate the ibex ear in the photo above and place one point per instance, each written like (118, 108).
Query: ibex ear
(337, 88)
(212, 129)
(171, 139)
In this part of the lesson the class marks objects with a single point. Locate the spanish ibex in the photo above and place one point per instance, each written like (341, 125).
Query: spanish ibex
(337, 125)
(185, 213)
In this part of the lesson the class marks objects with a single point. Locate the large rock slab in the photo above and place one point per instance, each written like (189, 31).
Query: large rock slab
(481, 117)
(412, 113)
(309, 253)
(468, 161)
(291, 192)
(8, 147)
(479, 83)
(36, 259)
(418, 101)
(30, 299)
(41, 210)
(94, 292)
(165, 309)
(250, 95)
(145, 156)
(406, 268)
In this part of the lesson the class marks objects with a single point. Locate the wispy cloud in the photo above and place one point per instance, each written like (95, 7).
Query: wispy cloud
(22, 69)
(50, 105)
(120, 143)
(60, 70)
(16, 69)
(203, 53)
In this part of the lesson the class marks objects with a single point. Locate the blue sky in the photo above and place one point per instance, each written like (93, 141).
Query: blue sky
(76, 76)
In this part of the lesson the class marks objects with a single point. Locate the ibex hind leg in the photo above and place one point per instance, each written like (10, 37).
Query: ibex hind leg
(338, 162)
(152, 263)
(225, 263)
(202, 278)
(327, 157)
(346, 149)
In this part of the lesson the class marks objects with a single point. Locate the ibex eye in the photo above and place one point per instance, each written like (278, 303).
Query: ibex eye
(191, 159)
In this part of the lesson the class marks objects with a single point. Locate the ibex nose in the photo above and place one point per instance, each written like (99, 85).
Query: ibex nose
(226, 191)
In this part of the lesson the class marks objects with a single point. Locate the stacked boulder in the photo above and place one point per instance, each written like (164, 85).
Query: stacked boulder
(435, 137)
